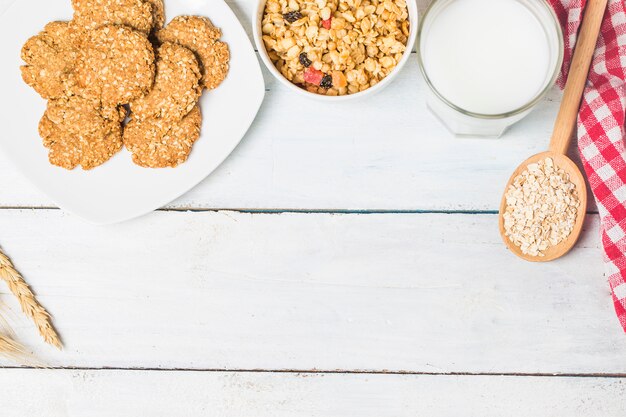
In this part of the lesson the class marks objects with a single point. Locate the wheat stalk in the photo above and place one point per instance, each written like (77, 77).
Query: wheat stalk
(10, 348)
(14, 351)
(28, 302)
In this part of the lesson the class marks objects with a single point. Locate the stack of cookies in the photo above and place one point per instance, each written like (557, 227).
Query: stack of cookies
(114, 76)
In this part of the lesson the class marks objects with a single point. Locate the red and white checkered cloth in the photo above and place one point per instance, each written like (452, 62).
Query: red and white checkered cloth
(601, 131)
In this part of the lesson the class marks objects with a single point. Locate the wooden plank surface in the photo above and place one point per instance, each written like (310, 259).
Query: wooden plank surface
(200, 300)
(300, 154)
(228, 290)
(194, 394)
(328, 163)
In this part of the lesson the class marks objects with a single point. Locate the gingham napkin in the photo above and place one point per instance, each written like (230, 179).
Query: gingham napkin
(601, 131)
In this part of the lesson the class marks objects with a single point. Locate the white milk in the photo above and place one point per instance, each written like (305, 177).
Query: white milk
(487, 56)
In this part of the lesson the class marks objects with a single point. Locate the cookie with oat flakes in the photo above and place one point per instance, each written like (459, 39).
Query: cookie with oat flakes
(92, 14)
(155, 143)
(88, 141)
(116, 65)
(176, 88)
(76, 114)
(199, 35)
(158, 13)
(68, 150)
(50, 59)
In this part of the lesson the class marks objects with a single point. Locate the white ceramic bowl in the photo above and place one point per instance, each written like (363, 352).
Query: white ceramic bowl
(257, 33)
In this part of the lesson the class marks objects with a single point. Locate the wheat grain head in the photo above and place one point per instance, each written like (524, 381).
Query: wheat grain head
(30, 306)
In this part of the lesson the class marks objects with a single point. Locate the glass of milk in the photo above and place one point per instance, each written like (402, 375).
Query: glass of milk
(488, 63)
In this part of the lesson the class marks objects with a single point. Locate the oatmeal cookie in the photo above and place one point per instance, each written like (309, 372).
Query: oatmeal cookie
(76, 114)
(158, 144)
(116, 65)
(72, 142)
(50, 58)
(199, 35)
(176, 88)
(158, 13)
(92, 14)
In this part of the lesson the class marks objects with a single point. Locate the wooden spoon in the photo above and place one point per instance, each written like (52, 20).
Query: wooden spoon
(564, 128)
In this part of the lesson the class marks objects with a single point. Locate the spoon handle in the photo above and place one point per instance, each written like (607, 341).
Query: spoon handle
(579, 69)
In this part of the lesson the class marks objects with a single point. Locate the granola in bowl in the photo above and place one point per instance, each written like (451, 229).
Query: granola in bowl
(335, 47)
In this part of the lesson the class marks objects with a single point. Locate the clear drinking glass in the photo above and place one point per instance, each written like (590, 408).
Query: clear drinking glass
(463, 122)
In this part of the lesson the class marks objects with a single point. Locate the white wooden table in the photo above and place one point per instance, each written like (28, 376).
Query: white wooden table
(344, 261)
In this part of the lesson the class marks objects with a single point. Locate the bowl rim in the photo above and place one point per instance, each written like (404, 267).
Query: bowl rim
(257, 35)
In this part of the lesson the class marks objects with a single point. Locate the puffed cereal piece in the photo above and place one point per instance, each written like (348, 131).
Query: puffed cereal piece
(176, 88)
(116, 65)
(50, 58)
(92, 14)
(199, 35)
(156, 143)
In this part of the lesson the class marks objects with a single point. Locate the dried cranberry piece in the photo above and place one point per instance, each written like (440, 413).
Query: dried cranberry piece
(313, 76)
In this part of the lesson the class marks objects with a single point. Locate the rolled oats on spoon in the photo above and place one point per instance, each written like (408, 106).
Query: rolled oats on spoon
(541, 208)
(544, 204)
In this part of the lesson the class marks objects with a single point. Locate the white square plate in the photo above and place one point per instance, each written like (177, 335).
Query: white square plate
(120, 190)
